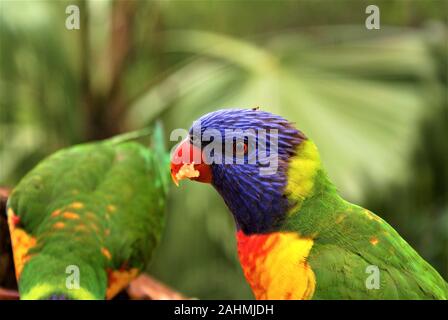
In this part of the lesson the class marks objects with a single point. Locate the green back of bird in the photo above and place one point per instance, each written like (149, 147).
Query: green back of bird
(90, 215)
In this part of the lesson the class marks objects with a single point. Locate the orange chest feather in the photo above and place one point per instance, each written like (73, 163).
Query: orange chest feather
(21, 243)
(275, 265)
(118, 280)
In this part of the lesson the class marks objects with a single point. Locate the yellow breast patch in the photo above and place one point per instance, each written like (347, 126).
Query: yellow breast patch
(275, 265)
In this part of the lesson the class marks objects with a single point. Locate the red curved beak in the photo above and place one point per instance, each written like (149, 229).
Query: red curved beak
(187, 162)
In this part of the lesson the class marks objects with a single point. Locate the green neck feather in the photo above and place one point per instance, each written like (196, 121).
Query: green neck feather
(316, 198)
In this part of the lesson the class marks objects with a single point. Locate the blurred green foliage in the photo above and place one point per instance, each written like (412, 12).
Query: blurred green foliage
(375, 102)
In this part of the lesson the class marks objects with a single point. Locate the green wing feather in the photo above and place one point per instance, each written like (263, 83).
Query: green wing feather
(350, 240)
(345, 258)
(98, 206)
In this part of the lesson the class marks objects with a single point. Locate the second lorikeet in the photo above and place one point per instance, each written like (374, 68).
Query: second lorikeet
(85, 221)
(297, 237)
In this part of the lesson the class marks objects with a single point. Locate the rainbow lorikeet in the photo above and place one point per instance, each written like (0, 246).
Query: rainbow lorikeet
(297, 237)
(85, 221)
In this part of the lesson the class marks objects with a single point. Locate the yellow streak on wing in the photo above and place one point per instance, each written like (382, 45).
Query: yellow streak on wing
(301, 172)
(56, 213)
(289, 276)
(77, 205)
(118, 280)
(374, 241)
(59, 225)
(106, 253)
(71, 215)
(340, 218)
(21, 243)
